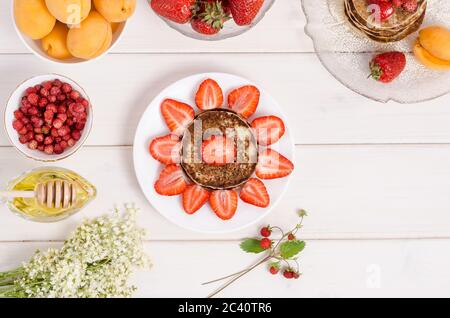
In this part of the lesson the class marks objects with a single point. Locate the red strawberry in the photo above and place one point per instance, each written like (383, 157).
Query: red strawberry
(385, 9)
(218, 151)
(209, 17)
(179, 11)
(224, 203)
(268, 129)
(171, 181)
(272, 165)
(177, 115)
(410, 6)
(166, 149)
(209, 95)
(254, 192)
(244, 100)
(388, 66)
(398, 3)
(245, 11)
(194, 197)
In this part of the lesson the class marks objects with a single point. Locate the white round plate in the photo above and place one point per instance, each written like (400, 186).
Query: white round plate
(147, 169)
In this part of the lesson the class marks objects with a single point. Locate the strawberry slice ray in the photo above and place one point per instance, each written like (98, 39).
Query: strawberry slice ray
(268, 129)
(272, 165)
(224, 203)
(244, 100)
(209, 95)
(171, 181)
(194, 197)
(166, 149)
(218, 151)
(254, 192)
(177, 115)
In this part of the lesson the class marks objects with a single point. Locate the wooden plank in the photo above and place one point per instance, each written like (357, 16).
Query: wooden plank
(124, 85)
(400, 268)
(147, 33)
(351, 192)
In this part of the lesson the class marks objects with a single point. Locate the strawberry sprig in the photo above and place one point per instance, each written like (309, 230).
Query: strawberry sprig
(281, 254)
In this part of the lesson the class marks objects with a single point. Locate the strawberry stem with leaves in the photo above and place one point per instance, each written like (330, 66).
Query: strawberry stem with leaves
(283, 253)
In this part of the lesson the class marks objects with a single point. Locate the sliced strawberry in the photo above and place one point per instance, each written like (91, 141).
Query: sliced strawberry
(171, 181)
(272, 165)
(224, 203)
(218, 151)
(244, 100)
(254, 192)
(166, 149)
(194, 197)
(268, 129)
(209, 95)
(177, 115)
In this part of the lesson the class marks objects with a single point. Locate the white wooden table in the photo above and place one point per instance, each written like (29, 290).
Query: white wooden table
(375, 178)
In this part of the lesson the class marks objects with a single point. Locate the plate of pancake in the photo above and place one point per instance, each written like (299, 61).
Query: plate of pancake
(347, 35)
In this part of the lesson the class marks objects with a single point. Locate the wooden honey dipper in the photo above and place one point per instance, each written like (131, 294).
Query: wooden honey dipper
(52, 194)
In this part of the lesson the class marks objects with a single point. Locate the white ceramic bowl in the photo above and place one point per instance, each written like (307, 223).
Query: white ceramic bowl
(35, 45)
(13, 105)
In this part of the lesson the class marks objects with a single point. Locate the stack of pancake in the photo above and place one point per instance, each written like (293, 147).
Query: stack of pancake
(396, 28)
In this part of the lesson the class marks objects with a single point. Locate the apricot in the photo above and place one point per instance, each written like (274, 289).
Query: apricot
(33, 18)
(429, 60)
(69, 11)
(436, 40)
(55, 44)
(91, 38)
(117, 10)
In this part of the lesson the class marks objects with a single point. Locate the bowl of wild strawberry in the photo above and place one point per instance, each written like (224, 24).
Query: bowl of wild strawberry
(211, 20)
(48, 117)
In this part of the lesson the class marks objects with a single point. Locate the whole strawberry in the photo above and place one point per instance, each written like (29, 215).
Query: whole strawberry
(209, 17)
(245, 11)
(388, 66)
(179, 11)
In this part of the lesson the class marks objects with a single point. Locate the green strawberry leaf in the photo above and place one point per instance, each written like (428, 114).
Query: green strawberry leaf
(289, 249)
(252, 246)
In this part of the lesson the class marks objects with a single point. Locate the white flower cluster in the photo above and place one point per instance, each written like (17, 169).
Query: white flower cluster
(96, 261)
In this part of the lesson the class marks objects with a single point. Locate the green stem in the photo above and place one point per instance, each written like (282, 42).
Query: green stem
(6, 276)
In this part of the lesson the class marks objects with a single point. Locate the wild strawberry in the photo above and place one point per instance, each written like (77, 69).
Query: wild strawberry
(33, 144)
(18, 114)
(266, 231)
(266, 243)
(76, 134)
(66, 88)
(291, 237)
(33, 98)
(58, 123)
(273, 270)
(17, 125)
(287, 273)
(295, 275)
(74, 95)
(39, 138)
(388, 66)
(48, 149)
(57, 149)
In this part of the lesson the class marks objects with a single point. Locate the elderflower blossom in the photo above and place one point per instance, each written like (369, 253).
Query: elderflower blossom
(95, 261)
